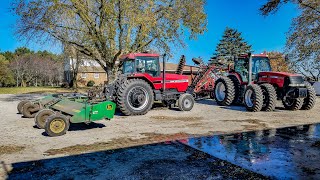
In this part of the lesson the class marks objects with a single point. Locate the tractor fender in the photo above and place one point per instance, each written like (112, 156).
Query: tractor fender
(236, 75)
(143, 78)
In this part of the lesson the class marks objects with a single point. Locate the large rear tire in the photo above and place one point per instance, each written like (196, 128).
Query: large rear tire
(185, 102)
(310, 100)
(57, 125)
(41, 117)
(30, 110)
(269, 97)
(237, 87)
(224, 91)
(135, 97)
(253, 98)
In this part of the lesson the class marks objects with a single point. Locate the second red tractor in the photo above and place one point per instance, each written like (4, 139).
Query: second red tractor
(253, 83)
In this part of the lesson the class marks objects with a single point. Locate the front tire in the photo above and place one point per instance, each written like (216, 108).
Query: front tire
(224, 91)
(186, 102)
(253, 98)
(292, 104)
(135, 97)
(269, 97)
(57, 125)
(310, 100)
(41, 117)
(29, 110)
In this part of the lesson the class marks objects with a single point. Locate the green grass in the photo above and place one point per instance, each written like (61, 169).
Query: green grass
(26, 90)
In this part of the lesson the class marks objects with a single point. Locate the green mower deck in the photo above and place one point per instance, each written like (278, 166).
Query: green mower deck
(64, 112)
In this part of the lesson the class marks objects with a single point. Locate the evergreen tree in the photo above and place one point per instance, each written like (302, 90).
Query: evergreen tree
(231, 44)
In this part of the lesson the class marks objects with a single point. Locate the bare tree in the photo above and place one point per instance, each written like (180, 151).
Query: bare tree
(105, 29)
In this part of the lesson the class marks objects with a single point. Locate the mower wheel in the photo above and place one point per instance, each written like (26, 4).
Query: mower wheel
(292, 103)
(29, 110)
(269, 97)
(135, 97)
(41, 117)
(310, 100)
(20, 106)
(186, 102)
(224, 91)
(253, 98)
(57, 125)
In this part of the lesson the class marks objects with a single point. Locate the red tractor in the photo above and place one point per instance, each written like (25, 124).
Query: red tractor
(142, 82)
(252, 83)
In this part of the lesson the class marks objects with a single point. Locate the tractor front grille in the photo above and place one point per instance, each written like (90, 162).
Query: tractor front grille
(296, 80)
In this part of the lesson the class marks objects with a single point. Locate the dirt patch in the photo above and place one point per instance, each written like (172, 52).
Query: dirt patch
(176, 118)
(9, 149)
(254, 124)
(117, 143)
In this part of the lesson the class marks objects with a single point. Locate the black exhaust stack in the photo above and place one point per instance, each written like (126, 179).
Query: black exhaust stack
(163, 73)
(250, 69)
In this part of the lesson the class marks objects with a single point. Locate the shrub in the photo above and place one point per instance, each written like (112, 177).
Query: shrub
(90, 83)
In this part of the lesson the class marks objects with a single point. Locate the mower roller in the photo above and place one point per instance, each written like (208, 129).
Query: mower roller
(57, 118)
(30, 108)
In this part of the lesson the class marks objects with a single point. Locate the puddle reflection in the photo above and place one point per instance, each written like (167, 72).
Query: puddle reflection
(291, 152)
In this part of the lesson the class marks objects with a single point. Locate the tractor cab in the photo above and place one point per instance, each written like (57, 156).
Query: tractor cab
(141, 63)
(259, 63)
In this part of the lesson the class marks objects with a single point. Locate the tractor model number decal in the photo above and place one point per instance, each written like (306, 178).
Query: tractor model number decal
(109, 107)
(95, 112)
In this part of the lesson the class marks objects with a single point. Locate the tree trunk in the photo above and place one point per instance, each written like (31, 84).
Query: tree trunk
(112, 74)
(23, 83)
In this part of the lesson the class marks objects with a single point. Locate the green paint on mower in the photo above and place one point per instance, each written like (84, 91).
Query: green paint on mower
(85, 112)
(66, 111)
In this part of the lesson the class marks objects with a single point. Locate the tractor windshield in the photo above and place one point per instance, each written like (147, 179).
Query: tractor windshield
(148, 65)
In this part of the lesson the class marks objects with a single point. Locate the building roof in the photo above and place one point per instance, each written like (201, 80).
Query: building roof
(91, 69)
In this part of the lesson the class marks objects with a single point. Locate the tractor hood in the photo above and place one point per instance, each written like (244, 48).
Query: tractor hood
(280, 74)
(175, 77)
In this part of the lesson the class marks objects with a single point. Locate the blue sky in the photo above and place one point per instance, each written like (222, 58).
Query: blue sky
(263, 33)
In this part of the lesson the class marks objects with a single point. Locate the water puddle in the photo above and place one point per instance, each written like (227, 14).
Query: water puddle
(292, 152)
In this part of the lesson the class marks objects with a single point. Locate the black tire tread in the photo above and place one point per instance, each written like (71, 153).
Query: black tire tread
(121, 97)
(237, 87)
(258, 103)
(310, 100)
(230, 92)
(272, 97)
(296, 105)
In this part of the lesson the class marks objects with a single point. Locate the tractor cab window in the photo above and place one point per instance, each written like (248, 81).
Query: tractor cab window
(128, 66)
(260, 64)
(148, 65)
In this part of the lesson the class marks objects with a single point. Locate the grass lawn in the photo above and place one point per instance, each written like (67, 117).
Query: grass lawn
(25, 90)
